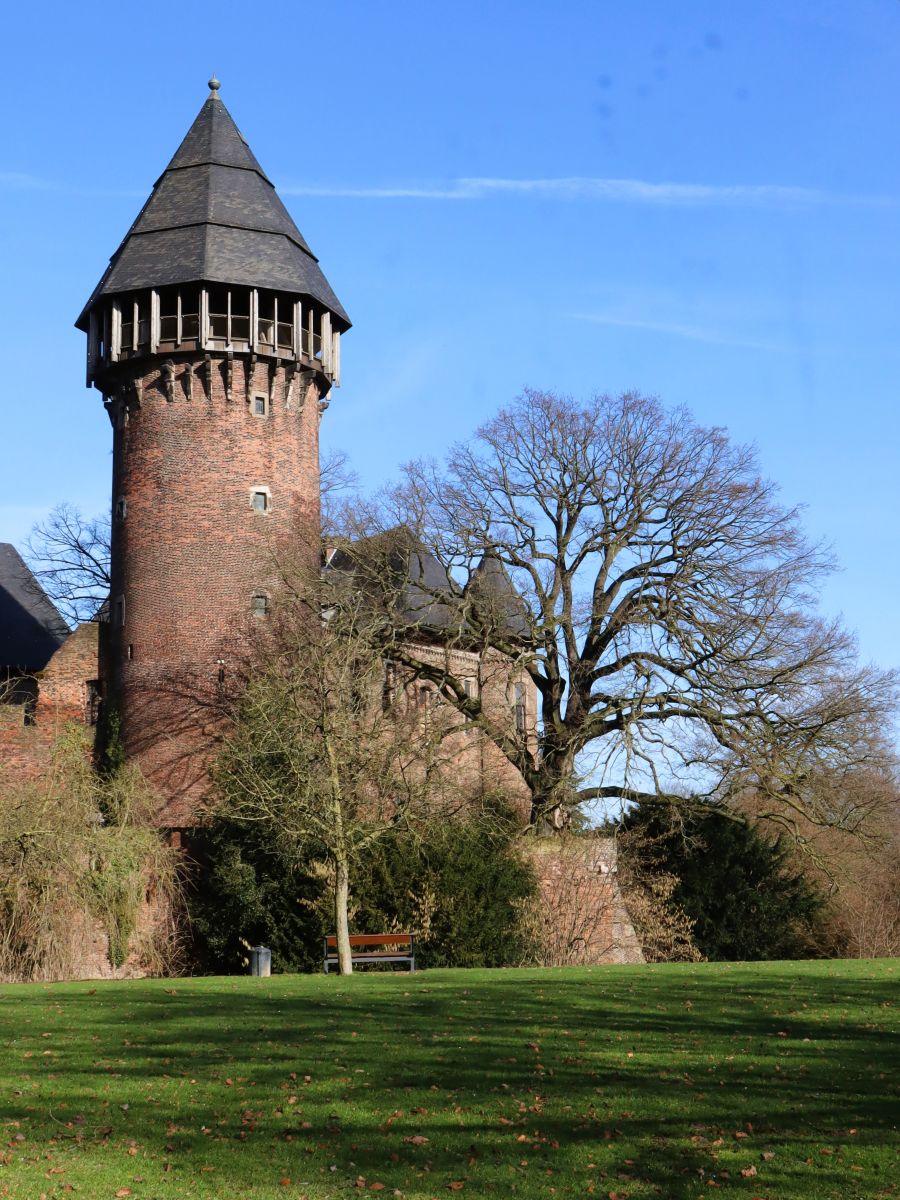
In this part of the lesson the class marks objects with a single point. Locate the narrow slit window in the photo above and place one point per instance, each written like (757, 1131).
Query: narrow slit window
(259, 501)
(389, 685)
(519, 708)
(470, 687)
(260, 605)
(260, 405)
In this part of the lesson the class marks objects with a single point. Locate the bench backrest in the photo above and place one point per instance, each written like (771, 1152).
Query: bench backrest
(372, 939)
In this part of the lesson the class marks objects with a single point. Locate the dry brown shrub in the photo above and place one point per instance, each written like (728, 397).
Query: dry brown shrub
(77, 858)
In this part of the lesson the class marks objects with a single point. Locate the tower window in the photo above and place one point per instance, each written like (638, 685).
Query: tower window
(168, 315)
(260, 405)
(260, 605)
(265, 325)
(260, 501)
(93, 697)
(121, 508)
(519, 708)
(470, 687)
(119, 612)
(389, 685)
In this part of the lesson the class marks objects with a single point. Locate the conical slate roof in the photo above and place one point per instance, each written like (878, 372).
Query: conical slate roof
(214, 216)
(496, 598)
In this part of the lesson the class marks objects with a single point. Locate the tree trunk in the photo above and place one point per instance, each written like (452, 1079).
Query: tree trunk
(551, 805)
(341, 927)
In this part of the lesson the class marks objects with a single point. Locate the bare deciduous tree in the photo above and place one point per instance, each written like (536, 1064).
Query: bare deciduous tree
(315, 752)
(668, 618)
(69, 555)
(337, 484)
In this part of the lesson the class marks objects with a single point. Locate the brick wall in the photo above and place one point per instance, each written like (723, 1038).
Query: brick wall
(478, 766)
(27, 731)
(583, 916)
(190, 552)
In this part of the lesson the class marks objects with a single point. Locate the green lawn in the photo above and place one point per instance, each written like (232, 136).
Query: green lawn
(764, 1080)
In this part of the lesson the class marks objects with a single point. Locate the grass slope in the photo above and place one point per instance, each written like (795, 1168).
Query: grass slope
(764, 1080)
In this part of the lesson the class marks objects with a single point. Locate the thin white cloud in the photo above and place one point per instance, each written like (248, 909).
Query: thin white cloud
(694, 333)
(568, 188)
(21, 181)
(628, 191)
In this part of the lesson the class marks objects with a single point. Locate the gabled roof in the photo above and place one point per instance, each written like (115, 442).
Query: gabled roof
(214, 216)
(31, 629)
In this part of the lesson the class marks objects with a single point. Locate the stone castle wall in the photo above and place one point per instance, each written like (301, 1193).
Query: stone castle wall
(63, 694)
(583, 917)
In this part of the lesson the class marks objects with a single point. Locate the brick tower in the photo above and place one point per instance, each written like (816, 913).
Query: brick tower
(214, 339)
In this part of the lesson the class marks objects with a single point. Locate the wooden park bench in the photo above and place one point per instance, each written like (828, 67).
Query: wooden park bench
(374, 948)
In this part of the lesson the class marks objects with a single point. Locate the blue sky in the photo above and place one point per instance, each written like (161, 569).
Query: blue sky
(697, 200)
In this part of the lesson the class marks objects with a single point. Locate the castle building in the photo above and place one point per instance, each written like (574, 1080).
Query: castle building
(214, 340)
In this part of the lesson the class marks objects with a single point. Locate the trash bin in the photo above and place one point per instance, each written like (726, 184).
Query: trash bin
(260, 960)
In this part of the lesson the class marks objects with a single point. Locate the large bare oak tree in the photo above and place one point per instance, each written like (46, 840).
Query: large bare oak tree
(668, 612)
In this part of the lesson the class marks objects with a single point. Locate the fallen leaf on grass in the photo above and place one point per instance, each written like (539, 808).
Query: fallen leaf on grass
(123, 1192)
(455, 1185)
(748, 1172)
(417, 1140)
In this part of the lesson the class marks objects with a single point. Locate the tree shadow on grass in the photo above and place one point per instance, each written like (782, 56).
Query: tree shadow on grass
(420, 1082)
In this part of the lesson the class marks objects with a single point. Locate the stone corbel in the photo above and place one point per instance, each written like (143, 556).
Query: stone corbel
(249, 372)
(290, 376)
(229, 376)
(189, 376)
(208, 364)
(168, 379)
(137, 390)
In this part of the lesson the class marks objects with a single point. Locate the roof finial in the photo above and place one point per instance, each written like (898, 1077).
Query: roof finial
(214, 85)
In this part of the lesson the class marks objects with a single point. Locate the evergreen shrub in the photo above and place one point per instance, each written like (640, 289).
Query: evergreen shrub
(458, 886)
(739, 886)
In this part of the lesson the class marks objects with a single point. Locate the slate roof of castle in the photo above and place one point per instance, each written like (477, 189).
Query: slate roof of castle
(214, 216)
(496, 597)
(31, 629)
(424, 594)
